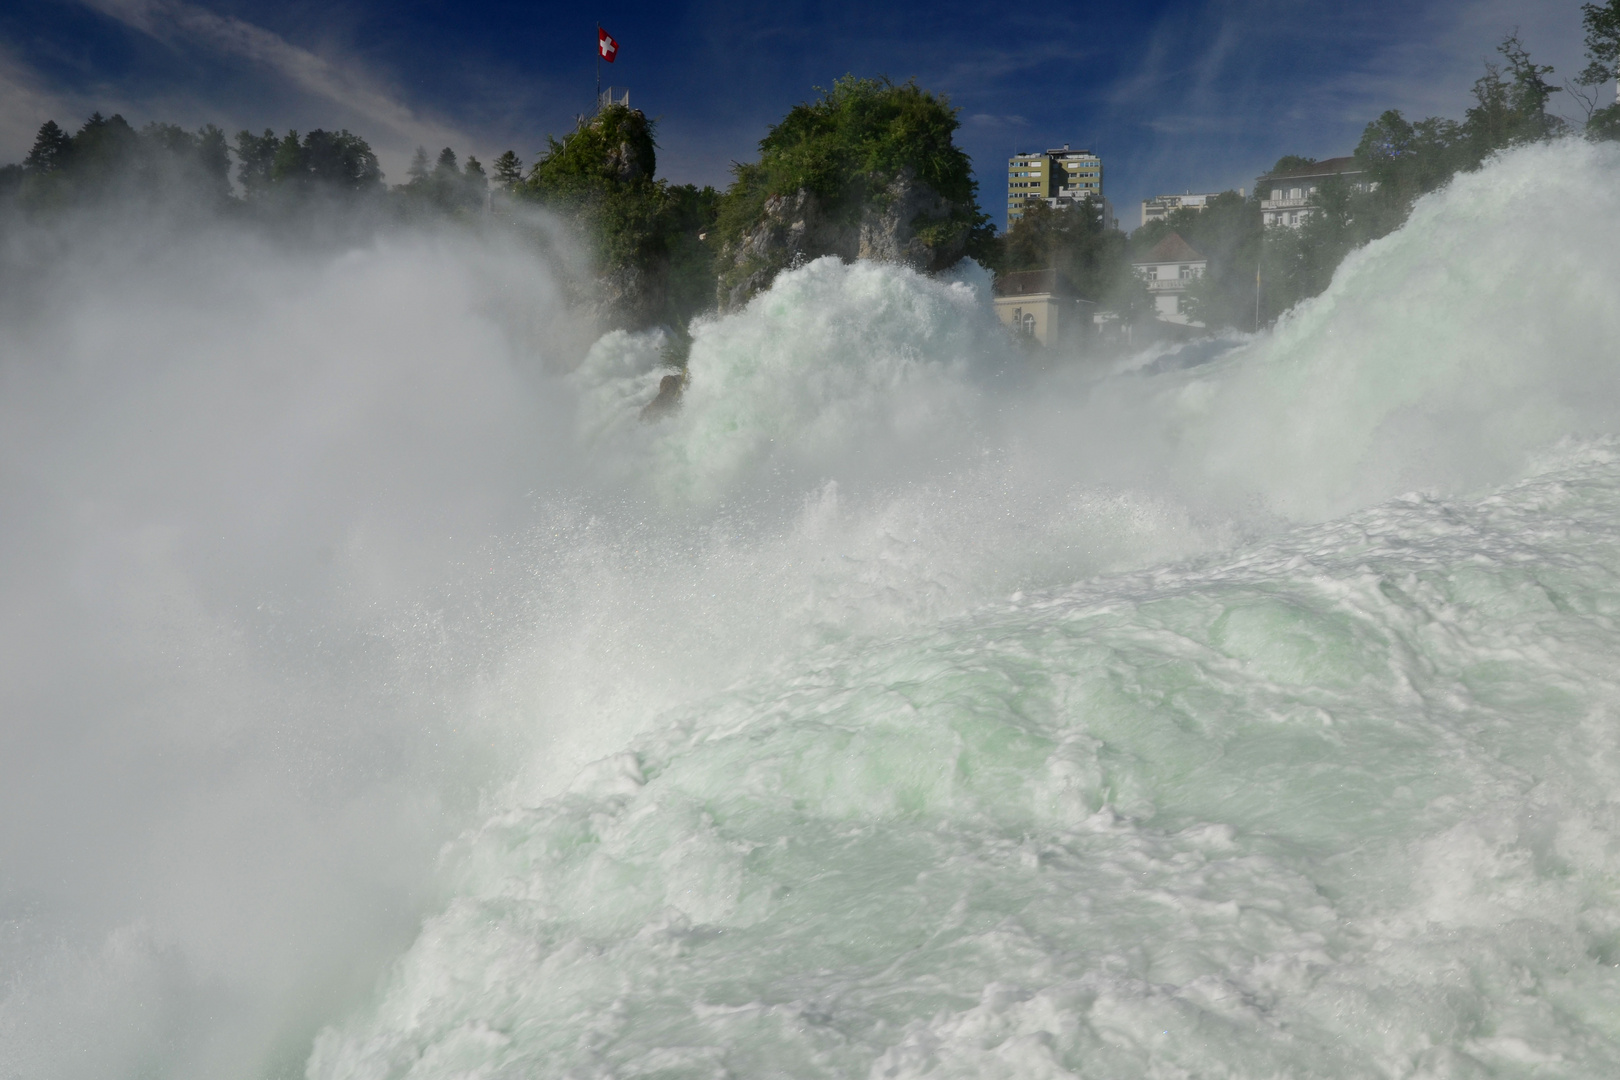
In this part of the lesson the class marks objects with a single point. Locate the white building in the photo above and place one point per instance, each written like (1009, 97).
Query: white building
(1168, 269)
(1285, 197)
(1042, 306)
(1159, 207)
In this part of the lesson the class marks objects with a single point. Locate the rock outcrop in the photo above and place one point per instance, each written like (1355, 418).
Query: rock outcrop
(628, 153)
(905, 222)
(651, 266)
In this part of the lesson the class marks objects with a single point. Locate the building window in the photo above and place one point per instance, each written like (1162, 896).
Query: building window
(1029, 324)
(1276, 194)
(1185, 272)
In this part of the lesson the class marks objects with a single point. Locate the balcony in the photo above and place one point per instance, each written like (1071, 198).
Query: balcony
(1285, 204)
(1170, 284)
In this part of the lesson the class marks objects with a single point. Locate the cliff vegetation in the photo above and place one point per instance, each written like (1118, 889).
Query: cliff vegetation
(653, 264)
(867, 170)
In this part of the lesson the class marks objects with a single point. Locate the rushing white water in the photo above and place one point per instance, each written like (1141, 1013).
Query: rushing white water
(893, 710)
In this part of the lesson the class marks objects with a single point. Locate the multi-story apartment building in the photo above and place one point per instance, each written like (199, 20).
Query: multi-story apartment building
(1159, 207)
(1285, 197)
(1055, 177)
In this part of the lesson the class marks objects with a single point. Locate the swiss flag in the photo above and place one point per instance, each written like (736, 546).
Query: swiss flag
(606, 45)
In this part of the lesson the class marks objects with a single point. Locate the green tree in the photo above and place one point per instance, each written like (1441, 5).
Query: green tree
(1405, 161)
(1602, 24)
(255, 159)
(1604, 123)
(615, 148)
(288, 165)
(647, 235)
(330, 162)
(445, 188)
(167, 154)
(213, 157)
(474, 184)
(1290, 162)
(508, 170)
(452, 189)
(418, 169)
(51, 148)
(1510, 109)
(603, 171)
(1227, 232)
(858, 135)
(340, 161)
(106, 156)
(1408, 159)
(846, 149)
(1070, 240)
(102, 151)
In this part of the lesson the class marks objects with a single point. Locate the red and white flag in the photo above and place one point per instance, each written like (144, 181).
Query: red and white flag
(606, 45)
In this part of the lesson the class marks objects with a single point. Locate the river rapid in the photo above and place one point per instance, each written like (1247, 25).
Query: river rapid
(391, 703)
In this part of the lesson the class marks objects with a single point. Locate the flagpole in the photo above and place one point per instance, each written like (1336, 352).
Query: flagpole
(598, 67)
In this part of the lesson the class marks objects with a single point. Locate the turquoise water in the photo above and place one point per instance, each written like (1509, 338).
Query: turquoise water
(1338, 804)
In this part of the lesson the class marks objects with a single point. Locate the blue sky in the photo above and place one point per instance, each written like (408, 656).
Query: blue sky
(1174, 94)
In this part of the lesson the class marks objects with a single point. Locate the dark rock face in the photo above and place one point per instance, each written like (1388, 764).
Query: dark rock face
(792, 230)
(667, 402)
(629, 297)
(891, 227)
(629, 161)
(907, 222)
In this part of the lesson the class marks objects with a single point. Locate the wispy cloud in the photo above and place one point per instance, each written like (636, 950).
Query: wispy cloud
(995, 120)
(25, 103)
(1431, 70)
(343, 82)
(1219, 88)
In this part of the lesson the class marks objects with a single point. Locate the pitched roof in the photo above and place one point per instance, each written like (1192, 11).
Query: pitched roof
(1172, 249)
(1330, 167)
(1032, 282)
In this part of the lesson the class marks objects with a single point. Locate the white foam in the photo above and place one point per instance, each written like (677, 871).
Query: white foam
(895, 708)
(1336, 801)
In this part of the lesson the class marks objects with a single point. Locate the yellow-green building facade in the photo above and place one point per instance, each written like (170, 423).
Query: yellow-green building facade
(1052, 174)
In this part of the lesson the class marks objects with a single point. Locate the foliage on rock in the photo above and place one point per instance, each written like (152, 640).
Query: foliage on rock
(870, 167)
(652, 264)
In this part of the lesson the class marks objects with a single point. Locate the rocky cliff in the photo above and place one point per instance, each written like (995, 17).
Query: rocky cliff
(869, 170)
(905, 221)
(650, 265)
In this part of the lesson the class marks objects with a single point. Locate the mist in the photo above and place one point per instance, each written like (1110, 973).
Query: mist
(326, 554)
(246, 486)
